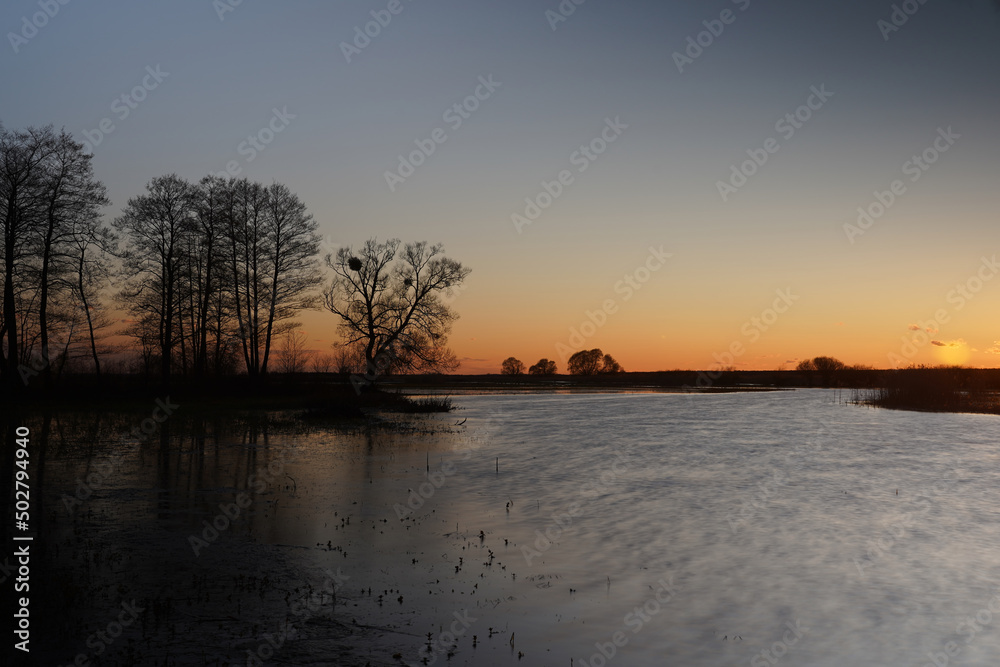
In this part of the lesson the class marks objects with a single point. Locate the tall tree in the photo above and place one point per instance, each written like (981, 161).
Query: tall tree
(244, 210)
(393, 308)
(93, 248)
(272, 246)
(292, 248)
(71, 200)
(205, 270)
(22, 158)
(154, 227)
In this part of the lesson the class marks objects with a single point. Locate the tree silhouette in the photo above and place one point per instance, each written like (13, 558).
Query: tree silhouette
(592, 362)
(69, 211)
(512, 366)
(232, 258)
(828, 365)
(543, 367)
(51, 203)
(272, 244)
(153, 226)
(825, 366)
(609, 365)
(393, 306)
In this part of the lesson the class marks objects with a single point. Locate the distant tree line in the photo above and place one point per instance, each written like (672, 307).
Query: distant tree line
(210, 275)
(584, 362)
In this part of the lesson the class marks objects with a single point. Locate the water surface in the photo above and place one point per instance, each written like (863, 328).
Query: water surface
(689, 529)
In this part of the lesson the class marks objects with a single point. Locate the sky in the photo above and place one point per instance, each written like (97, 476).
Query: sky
(676, 183)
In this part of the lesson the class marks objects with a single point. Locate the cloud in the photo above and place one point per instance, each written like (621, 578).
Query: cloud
(917, 327)
(995, 349)
(958, 342)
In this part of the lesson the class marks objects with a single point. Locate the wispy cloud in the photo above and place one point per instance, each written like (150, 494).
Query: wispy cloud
(958, 342)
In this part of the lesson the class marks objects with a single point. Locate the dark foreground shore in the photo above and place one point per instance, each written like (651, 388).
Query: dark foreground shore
(341, 395)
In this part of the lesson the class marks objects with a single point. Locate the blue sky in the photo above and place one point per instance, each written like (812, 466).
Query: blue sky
(345, 124)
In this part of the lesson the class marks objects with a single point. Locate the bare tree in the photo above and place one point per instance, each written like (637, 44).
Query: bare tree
(292, 354)
(349, 358)
(154, 227)
(205, 271)
(70, 208)
(93, 247)
(22, 158)
(293, 245)
(51, 204)
(272, 245)
(322, 362)
(393, 307)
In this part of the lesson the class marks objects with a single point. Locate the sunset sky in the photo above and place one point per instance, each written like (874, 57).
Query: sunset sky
(348, 108)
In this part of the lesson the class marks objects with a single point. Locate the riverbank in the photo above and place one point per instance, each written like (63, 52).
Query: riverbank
(345, 396)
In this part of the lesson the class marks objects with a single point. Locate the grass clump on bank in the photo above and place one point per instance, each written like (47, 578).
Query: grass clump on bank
(942, 389)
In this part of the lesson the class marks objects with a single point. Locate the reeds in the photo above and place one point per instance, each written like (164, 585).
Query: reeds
(947, 389)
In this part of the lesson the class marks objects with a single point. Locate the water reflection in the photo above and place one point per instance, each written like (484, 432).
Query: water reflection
(221, 527)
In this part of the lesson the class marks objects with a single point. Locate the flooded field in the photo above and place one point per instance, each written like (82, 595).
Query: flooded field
(531, 529)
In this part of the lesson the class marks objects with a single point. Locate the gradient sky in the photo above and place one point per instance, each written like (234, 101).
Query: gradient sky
(656, 185)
